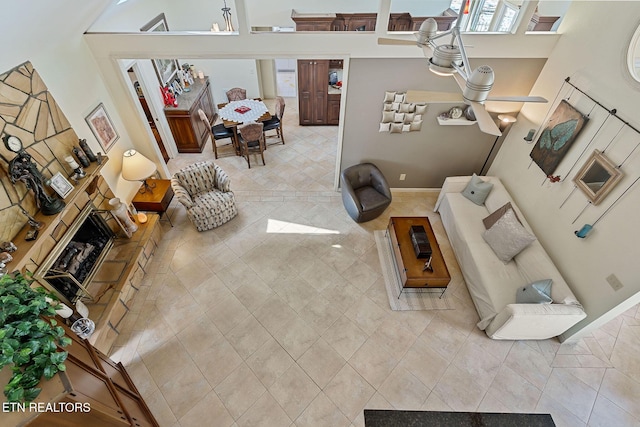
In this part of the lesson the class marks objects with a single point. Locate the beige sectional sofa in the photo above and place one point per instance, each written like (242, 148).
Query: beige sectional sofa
(492, 283)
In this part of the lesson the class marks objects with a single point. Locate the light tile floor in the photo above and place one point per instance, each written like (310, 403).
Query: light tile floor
(280, 318)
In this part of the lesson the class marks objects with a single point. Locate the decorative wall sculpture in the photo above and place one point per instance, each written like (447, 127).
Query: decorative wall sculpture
(555, 140)
(399, 116)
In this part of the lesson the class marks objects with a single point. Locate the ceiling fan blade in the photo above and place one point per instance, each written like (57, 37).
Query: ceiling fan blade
(426, 97)
(517, 99)
(387, 41)
(485, 121)
(460, 80)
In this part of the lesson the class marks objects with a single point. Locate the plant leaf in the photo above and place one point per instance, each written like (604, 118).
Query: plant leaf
(31, 393)
(14, 394)
(49, 371)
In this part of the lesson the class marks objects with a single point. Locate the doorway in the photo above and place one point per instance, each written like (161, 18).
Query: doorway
(286, 84)
(148, 114)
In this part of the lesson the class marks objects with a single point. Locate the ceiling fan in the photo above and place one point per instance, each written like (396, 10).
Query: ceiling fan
(450, 59)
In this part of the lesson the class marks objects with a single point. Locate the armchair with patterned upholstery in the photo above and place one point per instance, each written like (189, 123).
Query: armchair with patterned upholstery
(204, 190)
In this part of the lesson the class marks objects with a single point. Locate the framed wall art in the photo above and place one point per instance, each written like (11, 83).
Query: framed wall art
(166, 69)
(555, 140)
(102, 127)
(60, 184)
(597, 177)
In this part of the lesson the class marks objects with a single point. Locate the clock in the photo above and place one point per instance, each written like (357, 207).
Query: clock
(455, 112)
(13, 143)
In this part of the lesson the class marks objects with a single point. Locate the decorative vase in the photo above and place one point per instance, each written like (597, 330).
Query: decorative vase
(82, 158)
(121, 214)
(87, 150)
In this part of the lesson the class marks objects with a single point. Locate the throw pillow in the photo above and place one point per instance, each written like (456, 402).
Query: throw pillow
(477, 190)
(535, 293)
(384, 127)
(497, 214)
(389, 96)
(508, 237)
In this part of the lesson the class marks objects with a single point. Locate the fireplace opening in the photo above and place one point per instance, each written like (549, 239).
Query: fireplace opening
(76, 258)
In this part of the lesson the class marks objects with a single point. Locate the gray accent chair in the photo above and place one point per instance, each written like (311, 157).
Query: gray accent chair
(205, 191)
(365, 192)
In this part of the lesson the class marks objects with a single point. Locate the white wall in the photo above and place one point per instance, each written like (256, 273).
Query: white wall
(595, 61)
(225, 74)
(54, 45)
(420, 7)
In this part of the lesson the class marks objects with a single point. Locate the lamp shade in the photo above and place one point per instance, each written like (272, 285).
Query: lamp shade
(136, 167)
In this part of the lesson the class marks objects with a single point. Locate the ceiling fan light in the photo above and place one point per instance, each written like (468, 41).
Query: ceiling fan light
(428, 30)
(479, 84)
(441, 71)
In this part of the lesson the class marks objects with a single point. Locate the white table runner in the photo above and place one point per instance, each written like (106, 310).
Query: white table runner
(257, 109)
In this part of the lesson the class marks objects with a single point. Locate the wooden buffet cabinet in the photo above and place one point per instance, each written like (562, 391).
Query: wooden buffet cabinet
(189, 132)
(367, 21)
(318, 102)
(99, 389)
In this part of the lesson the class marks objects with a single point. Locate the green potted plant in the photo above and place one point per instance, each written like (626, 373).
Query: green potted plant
(29, 337)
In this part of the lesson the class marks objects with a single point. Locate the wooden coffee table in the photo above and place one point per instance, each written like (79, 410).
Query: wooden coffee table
(410, 268)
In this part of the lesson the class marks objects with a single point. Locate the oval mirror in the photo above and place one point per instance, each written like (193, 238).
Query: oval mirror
(633, 56)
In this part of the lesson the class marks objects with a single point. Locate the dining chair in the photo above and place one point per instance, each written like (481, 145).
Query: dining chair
(236, 94)
(251, 137)
(217, 132)
(275, 122)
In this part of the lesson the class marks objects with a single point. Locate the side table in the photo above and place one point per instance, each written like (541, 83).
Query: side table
(156, 199)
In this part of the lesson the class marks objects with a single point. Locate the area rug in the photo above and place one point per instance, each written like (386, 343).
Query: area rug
(409, 300)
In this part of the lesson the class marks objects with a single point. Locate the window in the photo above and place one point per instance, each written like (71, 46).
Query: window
(488, 15)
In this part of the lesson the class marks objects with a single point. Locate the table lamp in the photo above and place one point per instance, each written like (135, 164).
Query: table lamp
(136, 167)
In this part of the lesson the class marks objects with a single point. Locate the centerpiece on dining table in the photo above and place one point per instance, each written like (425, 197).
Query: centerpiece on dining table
(243, 109)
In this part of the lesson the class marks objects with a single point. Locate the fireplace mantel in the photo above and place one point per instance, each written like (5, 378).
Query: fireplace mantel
(28, 250)
(117, 280)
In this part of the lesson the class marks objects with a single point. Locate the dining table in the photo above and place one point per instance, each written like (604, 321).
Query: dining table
(235, 113)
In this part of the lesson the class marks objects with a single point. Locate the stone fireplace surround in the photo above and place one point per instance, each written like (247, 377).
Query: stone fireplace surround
(115, 284)
(29, 111)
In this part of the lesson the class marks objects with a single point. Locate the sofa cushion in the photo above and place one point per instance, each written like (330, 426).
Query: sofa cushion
(497, 214)
(491, 283)
(535, 264)
(507, 237)
(535, 293)
(477, 190)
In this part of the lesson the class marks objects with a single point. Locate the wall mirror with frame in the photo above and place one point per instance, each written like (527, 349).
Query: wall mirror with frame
(597, 177)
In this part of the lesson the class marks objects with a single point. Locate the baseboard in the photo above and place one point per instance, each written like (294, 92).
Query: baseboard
(415, 190)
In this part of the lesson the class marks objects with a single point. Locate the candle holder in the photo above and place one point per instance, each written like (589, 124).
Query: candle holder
(78, 172)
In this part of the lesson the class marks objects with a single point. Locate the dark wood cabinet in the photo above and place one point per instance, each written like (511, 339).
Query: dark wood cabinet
(367, 21)
(189, 132)
(399, 22)
(333, 109)
(358, 21)
(313, 85)
(99, 389)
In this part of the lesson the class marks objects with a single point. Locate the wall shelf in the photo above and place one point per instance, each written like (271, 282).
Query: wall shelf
(455, 122)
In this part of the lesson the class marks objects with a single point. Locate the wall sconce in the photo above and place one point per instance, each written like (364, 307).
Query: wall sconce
(136, 167)
(530, 135)
(505, 120)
